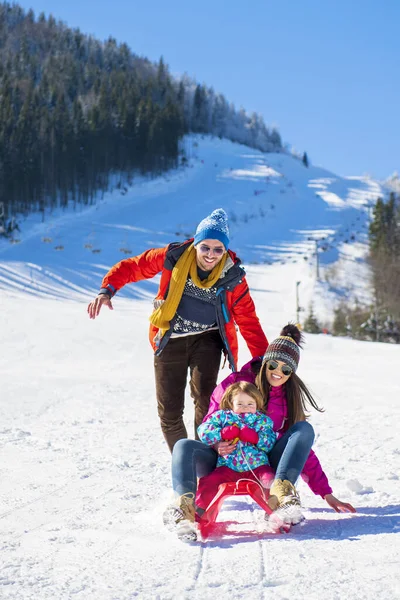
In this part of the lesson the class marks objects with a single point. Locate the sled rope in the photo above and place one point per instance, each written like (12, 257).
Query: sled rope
(255, 476)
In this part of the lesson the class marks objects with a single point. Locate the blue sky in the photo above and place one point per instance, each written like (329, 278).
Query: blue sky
(326, 76)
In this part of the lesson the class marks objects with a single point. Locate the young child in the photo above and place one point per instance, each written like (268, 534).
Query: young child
(241, 422)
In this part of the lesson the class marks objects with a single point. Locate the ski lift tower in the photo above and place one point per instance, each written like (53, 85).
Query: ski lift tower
(298, 309)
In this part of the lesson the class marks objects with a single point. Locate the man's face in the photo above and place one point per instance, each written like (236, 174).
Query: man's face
(209, 253)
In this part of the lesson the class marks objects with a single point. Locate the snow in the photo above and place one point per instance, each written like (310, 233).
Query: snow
(85, 473)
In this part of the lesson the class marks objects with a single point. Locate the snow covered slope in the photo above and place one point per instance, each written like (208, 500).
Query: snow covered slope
(85, 473)
(280, 213)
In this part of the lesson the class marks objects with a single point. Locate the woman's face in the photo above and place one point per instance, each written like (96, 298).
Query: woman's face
(274, 374)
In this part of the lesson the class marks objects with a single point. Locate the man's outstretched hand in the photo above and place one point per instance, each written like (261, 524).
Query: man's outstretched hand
(95, 306)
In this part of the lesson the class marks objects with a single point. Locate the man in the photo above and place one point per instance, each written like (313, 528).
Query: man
(203, 293)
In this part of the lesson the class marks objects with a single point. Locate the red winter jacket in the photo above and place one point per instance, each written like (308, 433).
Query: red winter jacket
(234, 304)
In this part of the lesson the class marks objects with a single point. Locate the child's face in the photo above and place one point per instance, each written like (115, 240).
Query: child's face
(243, 403)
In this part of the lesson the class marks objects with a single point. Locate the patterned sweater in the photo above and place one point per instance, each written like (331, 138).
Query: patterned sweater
(246, 456)
(196, 312)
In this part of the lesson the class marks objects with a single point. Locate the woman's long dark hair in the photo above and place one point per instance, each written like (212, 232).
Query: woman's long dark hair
(298, 396)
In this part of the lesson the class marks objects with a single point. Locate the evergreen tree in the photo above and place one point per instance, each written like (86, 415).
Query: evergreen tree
(311, 324)
(74, 110)
(199, 118)
(384, 235)
(340, 324)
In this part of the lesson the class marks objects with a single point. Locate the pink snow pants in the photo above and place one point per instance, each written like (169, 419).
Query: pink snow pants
(208, 485)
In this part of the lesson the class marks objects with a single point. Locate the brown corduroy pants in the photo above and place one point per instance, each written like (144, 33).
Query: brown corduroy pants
(201, 355)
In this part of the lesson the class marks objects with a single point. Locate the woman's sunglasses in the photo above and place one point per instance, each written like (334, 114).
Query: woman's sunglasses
(272, 365)
(218, 251)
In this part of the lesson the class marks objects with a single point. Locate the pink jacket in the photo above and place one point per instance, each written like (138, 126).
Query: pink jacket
(277, 410)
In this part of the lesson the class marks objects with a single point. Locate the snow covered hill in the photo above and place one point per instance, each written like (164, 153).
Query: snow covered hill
(280, 213)
(85, 473)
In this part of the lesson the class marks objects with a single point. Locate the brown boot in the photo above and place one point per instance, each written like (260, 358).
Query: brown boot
(181, 517)
(283, 494)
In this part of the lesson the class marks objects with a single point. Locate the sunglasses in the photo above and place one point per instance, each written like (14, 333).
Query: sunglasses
(218, 251)
(272, 365)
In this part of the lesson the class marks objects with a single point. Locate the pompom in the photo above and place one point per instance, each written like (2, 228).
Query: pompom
(290, 330)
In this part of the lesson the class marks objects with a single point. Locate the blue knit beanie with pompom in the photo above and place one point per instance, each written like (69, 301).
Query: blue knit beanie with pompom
(213, 227)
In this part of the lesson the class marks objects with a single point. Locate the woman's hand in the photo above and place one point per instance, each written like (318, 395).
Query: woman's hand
(224, 448)
(339, 506)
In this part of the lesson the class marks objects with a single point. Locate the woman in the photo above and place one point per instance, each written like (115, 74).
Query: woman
(286, 400)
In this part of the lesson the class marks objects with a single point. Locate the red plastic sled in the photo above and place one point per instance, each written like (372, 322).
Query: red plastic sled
(239, 488)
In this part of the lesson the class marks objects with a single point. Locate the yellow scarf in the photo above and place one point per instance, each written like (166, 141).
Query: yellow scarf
(185, 266)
